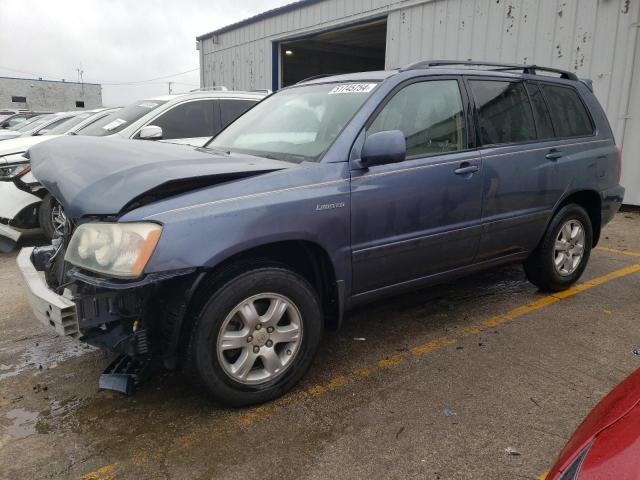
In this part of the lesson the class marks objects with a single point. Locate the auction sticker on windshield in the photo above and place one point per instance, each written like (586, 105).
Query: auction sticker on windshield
(353, 88)
(115, 124)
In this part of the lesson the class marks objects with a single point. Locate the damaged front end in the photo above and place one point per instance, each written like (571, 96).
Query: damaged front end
(139, 319)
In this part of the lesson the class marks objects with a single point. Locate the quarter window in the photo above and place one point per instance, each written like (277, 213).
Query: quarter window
(431, 116)
(504, 112)
(187, 120)
(570, 117)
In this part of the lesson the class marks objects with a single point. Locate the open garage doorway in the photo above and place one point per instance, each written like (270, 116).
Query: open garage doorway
(356, 48)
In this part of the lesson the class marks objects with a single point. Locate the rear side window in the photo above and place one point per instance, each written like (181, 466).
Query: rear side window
(570, 117)
(187, 120)
(540, 112)
(431, 116)
(504, 112)
(232, 109)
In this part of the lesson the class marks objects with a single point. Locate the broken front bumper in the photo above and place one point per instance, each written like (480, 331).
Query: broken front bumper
(53, 310)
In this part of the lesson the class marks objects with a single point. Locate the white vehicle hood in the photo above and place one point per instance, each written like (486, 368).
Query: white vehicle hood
(9, 134)
(20, 145)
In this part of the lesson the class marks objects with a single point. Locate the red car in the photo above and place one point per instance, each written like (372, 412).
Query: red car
(606, 446)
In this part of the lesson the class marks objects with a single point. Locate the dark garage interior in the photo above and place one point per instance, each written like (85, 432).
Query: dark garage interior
(353, 49)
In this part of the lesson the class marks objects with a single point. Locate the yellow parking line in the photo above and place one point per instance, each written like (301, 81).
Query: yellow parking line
(543, 476)
(103, 473)
(619, 251)
(263, 412)
(438, 343)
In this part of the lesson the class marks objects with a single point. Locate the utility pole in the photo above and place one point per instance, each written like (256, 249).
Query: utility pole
(80, 73)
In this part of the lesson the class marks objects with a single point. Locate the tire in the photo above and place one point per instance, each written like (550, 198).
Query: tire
(279, 355)
(540, 267)
(46, 216)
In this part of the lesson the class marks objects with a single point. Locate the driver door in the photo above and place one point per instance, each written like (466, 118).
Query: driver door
(419, 217)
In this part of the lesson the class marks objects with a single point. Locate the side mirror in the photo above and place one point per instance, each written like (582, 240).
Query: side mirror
(384, 147)
(44, 131)
(150, 132)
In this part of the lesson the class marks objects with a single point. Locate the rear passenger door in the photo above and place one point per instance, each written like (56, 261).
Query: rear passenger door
(418, 217)
(522, 180)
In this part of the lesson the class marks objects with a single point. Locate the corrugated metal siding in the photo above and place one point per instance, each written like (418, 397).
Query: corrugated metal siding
(595, 38)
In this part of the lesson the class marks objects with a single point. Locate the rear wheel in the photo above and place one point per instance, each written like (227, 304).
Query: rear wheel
(563, 254)
(52, 217)
(256, 336)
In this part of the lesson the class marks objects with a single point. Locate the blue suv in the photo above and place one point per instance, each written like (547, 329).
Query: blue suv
(229, 261)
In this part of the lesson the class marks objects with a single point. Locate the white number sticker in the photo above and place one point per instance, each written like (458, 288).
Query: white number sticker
(113, 125)
(353, 88)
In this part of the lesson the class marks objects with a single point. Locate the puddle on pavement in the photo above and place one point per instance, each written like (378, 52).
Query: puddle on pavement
(47, 352)
(23, 423)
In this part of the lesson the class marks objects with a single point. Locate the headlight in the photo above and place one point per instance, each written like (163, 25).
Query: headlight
(119, 250)
(14, 165)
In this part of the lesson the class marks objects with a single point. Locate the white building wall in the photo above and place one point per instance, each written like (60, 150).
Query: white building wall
(597, 39)
(49, 96)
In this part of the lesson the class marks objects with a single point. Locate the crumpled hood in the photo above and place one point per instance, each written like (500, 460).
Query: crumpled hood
(106, 176)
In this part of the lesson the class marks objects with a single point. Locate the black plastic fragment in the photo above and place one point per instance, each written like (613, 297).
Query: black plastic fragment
(124, 374)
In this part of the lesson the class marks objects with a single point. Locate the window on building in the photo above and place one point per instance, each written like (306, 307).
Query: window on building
(504, 112)
(431, 116)
(232, 109)
(187, 120)
(19, 99)
(570, 117)
(540, 112)
(79, 104)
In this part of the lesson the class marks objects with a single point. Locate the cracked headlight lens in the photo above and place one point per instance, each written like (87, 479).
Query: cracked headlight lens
(119, 250)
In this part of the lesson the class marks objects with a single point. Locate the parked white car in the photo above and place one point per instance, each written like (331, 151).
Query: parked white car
(38, 126)
(190, 118)
(20, 207)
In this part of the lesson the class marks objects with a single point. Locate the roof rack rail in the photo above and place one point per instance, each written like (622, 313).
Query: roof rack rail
(315, 77)
(215, 88)
(526, 69)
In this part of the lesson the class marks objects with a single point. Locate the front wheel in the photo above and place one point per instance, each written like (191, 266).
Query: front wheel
(563, 253)
(52, 217)
(256, 336)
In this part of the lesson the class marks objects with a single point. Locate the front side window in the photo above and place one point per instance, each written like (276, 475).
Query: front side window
(230, 110)
(187, 120)
(504, 112)
(431, 116)
(570, 117)
(296, 124)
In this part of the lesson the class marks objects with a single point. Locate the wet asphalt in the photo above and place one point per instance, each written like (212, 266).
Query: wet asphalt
(481, 378)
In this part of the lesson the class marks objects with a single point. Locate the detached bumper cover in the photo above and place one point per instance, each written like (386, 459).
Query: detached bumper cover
(53, 310)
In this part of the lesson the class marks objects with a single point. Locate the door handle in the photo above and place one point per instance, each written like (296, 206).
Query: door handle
(466, 168)
(554, 154)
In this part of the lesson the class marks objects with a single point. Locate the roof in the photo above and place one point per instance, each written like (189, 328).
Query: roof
(45, 80)
(429, 71)
(261, 16)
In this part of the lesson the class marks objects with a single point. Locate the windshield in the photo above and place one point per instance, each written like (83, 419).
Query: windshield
(19, 122)
(67, 125)
(31, 125)
(121, 119)
(296, 124)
